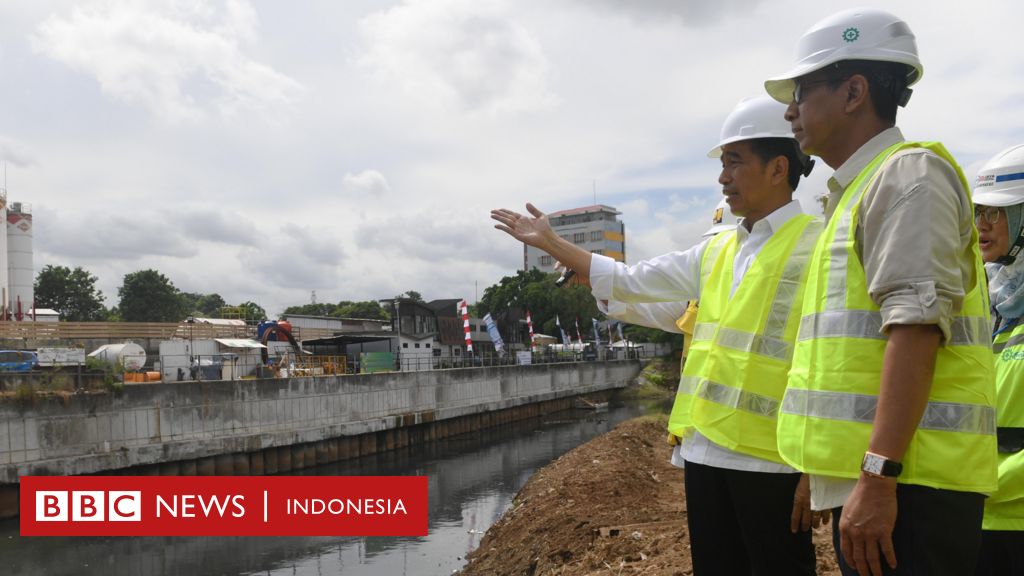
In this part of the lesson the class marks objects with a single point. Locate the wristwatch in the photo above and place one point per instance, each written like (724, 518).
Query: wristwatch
(880, 466)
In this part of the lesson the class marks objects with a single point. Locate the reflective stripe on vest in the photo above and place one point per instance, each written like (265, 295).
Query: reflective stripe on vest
(964, 330)
(945, 416)
(737, 399)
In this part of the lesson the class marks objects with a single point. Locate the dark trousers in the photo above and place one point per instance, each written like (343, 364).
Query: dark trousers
(1002, 553)
(739, 523)
(937, 532)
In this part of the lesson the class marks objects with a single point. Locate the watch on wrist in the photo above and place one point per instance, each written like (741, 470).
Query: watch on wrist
(880, 466)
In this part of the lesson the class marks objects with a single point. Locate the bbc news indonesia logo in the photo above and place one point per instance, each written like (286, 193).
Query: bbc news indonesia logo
(223, 506)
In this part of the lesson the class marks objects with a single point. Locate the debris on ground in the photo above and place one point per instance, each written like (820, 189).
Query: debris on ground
(614, 505)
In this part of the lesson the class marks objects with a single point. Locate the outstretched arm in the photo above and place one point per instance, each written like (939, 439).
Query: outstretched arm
(536, 231)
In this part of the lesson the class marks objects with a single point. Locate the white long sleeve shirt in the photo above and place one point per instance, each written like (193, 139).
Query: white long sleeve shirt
(654, 293)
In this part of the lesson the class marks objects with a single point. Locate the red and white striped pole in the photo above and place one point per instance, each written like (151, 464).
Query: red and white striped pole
(464, 308)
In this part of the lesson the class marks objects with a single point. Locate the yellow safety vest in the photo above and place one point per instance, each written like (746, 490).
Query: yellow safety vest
(1004, 510)
(735, 374)
(829, 407)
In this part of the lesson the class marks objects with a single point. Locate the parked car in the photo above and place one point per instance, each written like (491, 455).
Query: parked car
(18, 360)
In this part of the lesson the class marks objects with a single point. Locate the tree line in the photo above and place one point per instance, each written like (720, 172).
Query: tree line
(149, 296)
(145, 296)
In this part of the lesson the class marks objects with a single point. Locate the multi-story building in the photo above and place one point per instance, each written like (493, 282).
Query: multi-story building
(596, 229)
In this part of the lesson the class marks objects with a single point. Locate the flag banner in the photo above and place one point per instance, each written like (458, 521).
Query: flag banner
(223, 505)
(529, 325)
(619, 327)
(463, 309)
(579, 337)
(492, 331)
(597, 332)
(565, 337)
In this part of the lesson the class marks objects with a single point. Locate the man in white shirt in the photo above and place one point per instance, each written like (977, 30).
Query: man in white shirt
(743, 515)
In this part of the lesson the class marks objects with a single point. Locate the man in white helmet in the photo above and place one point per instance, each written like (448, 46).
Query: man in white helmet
(740, 497)
(999, 215)
(890, 399)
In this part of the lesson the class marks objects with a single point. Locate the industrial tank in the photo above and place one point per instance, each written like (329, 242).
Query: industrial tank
(5, 292)
(130, 355)
(21, 275)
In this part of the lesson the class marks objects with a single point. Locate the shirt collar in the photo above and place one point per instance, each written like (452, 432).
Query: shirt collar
(773, 221)
(845, 174)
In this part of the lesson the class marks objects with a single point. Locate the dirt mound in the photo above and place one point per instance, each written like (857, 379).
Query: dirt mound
(614, 505)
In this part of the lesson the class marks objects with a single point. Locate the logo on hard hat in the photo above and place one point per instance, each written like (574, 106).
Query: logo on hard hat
(985, 180)
(851, 34)
(719, 216)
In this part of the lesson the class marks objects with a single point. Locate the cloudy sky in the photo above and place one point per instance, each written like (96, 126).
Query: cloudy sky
(264, 150)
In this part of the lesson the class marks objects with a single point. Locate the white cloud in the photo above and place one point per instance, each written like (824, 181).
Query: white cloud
(176, 57)
(15, 152)
(366, 183)
(469, 54)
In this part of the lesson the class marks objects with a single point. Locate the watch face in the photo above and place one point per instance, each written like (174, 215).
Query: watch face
(873, 464)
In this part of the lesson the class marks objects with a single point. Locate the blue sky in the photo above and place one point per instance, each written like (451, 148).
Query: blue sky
(263, 149)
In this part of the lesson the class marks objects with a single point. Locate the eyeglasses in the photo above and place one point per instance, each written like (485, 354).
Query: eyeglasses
(799, 88)
(989, 214)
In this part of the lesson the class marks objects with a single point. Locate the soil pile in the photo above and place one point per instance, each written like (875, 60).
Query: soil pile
(614, 505)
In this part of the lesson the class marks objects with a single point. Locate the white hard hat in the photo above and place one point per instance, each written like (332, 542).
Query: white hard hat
(858, 34)
(757, 117)
(1000, 181)
(722, 221)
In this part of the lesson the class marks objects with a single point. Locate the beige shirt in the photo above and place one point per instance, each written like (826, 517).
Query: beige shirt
(913, 233)
(914, 238)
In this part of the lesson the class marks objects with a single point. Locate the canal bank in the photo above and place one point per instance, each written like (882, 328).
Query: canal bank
(276, 425)
(472, 479)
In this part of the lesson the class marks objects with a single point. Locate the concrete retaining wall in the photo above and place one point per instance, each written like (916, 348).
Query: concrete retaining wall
(157, 424)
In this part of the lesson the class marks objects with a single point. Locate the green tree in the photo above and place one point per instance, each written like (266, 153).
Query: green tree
(204, 305)
(369, 309)
(411, 294)
(148, 296)
(508, 300)
(73, 293)
(254, 313)
(318, 309)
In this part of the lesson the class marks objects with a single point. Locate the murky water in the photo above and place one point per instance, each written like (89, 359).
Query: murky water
(472, 479)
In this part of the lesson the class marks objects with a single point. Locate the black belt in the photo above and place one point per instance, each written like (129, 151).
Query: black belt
(1010, 440)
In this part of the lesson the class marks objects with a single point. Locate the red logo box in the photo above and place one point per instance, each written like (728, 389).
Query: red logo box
(224, 506)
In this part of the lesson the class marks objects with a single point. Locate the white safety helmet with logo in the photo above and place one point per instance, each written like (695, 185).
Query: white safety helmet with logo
(723, 220)
(858, 34)
(1000, 183)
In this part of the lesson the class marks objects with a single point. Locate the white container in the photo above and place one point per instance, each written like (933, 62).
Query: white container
(130, 355)
(20, 272)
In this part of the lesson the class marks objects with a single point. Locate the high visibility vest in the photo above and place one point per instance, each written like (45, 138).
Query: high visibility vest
(735, 375)
(1004, 510)
(829, 407)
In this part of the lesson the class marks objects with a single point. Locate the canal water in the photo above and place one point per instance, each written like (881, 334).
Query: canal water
(472, 480)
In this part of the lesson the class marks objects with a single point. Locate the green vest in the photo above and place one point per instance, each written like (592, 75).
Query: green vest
(829, 407)
(735, 373)
(1004, 510)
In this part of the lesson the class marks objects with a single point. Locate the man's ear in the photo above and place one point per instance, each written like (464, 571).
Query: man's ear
(857, 92)
(779, 169)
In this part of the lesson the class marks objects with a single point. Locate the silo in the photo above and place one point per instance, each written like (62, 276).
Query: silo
(5, 291)
(20, 273)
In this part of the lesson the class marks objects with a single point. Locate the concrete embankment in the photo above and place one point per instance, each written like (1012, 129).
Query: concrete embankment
(274, 425)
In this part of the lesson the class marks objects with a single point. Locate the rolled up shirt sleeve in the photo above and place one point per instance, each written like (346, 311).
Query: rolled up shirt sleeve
(915, 240)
